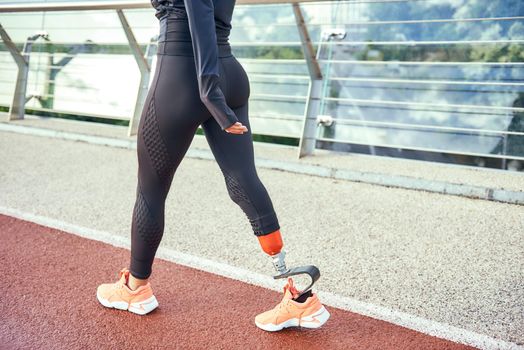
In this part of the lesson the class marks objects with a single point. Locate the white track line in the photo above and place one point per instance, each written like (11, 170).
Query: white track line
(426, 326)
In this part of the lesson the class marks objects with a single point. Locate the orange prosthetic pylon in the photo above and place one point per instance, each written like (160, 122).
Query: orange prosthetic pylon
(271, 243)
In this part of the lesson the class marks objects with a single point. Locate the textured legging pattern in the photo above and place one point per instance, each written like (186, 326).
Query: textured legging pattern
(171, 115)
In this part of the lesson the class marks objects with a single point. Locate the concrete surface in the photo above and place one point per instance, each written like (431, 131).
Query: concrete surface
(423, 171)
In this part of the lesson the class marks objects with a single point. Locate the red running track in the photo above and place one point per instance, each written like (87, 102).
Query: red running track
(49, 302)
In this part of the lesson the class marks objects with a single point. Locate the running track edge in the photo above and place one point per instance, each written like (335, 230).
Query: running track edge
(426, 326)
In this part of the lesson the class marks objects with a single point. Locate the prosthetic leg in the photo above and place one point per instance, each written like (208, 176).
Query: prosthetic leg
(272, 245)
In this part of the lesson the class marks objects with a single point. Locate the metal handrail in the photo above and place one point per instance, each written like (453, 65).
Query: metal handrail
(279, 116)
(428, 82)
(424, 104)
(277, 97)
(411, 21)
(428, 63)
(312, 24)
(278, 76)
(378, 62)
(375, 43)
(423, 149)
(357, 43)
(68, 111)
(115, 5)
(426, 126)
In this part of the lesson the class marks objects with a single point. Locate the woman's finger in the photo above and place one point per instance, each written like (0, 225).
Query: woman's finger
(237, 128)
(241, 128)
(238, 125)
(236, 131)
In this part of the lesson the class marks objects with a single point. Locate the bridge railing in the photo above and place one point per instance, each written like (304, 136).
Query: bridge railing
(411, 78)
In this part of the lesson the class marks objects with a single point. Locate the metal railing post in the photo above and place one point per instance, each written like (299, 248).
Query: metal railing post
(308, 137)
(16, 110)
(144, 64)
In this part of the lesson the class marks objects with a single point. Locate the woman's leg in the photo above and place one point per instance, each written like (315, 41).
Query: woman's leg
(166, 129)
(235, 157)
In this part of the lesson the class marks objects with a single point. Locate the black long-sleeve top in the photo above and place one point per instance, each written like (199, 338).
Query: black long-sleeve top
(205, 18)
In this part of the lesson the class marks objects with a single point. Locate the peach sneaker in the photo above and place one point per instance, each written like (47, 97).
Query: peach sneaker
(119, 296)
(290, 313)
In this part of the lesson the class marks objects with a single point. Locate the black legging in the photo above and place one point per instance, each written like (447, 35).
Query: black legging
(171, 115)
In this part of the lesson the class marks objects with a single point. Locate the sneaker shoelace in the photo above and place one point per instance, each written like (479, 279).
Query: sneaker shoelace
(291, 288)
(122, 280)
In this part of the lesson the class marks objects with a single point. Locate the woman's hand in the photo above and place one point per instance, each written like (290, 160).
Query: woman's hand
(236, 128)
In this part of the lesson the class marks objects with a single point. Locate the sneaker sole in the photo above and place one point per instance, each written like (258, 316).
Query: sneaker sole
(140, 308)
(312, 321)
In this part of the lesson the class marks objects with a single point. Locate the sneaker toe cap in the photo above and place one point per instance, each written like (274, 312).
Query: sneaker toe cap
(104, 290)
(265, 317)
